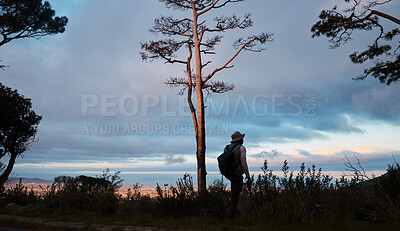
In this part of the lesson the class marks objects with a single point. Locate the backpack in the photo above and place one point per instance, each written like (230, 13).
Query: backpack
(226, 162)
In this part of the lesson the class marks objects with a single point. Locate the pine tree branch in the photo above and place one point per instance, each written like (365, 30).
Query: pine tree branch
(243, 46)
(372, 12)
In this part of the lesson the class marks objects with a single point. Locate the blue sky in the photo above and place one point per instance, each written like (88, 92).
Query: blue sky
(103, 107)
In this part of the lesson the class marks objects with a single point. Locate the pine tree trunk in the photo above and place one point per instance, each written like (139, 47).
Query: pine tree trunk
(201, 145)
(201, 134)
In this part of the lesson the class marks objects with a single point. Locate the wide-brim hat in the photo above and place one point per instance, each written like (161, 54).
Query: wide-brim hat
(237, 136)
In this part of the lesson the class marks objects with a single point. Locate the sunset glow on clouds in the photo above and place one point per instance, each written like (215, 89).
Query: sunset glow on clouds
(103, 107)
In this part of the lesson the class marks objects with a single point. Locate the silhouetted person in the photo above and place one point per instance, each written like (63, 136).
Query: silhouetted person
(237, 179)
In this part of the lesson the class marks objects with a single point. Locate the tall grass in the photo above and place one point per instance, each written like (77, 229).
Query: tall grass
(305, 196)
(69, 194)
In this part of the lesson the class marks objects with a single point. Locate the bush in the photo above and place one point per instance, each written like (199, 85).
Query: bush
(19, 195)
(306, 196)
(84, 193)
(384, 206)
(136, 204)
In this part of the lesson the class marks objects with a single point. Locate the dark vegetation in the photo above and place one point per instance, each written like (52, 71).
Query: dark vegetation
(18, 128)
(306, 197)
(339, 26)
(21, 19)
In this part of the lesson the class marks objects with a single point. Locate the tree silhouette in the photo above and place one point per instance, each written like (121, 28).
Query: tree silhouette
(338, 27)
(28, 19)
(18, 127)
(199, 39)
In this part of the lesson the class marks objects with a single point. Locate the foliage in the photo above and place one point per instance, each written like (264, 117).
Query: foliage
(20, 195)
(184, 201)
(385, 206)
(67, 194)
(18, 123)
(308, 196)
(28, 19)
(136, 204)
(18, 127)
(339, 27)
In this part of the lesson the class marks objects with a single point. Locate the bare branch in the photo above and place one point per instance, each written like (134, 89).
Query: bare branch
(3, 66)
(391, 18)
(208, 8)
(226, 2)
(204, 65)
(244, 45)
(372, 12)
(357, 168)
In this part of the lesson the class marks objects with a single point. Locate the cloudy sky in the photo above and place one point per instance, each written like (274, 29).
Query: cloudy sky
(103, 107)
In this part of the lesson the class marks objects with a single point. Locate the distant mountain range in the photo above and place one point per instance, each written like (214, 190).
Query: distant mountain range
(28, 181)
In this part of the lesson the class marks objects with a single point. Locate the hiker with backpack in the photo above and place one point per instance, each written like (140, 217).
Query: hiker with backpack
(232, 164)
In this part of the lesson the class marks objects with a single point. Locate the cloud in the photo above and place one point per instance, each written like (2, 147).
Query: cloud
(339, 124)
(304, 152)
(265, 154)
(171, 159)
(348, 153)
